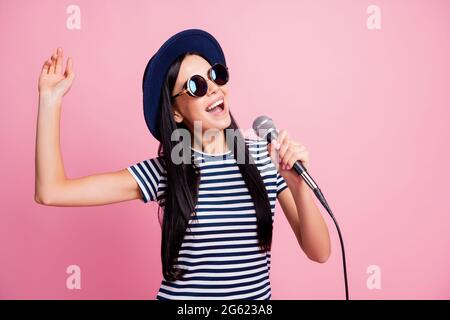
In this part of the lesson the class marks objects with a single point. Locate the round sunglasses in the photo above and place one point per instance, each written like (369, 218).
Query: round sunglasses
(197, 86)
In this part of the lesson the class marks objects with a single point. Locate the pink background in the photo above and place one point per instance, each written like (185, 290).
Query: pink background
(371, 106)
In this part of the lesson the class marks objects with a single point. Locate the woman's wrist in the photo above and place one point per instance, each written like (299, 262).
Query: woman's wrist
(46, 98)
(297, 184)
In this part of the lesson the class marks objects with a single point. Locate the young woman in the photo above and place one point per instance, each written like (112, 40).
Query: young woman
(217, 212)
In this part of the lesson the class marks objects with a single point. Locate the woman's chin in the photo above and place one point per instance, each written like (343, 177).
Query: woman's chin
(219, 124)
(224, 123)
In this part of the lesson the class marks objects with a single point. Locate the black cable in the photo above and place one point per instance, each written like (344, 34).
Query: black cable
(321, 198)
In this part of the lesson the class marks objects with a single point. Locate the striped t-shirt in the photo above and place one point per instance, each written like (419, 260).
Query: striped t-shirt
(220, 252)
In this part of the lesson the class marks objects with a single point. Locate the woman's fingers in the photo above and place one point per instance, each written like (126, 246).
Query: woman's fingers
(49, 64)
(290, 151)
(284, 160)
(45, 67)
(69, 68)
(53, 64)
(59, 61)
(283, 140)
(281, 136)
(294, 154)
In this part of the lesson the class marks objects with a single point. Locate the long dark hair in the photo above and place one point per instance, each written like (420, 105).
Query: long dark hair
(181, 194)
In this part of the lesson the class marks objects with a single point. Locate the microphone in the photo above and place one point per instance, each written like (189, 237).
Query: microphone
(265, 128)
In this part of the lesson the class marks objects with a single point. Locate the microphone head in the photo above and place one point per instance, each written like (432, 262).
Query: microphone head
(264, 127)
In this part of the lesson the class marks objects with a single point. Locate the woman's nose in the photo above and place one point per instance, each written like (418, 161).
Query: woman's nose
(212, 86)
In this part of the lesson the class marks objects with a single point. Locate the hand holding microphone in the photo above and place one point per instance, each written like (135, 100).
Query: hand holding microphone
(285, 152)
(265, 128)
(293, 155)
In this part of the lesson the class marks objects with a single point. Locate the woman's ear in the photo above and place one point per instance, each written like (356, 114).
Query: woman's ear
(177, 116)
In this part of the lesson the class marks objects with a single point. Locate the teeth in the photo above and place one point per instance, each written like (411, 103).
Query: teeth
(215, 104)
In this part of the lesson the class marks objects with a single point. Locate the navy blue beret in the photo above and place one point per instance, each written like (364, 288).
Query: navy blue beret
(158, 65)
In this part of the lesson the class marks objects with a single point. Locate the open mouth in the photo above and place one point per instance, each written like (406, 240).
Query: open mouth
(217, 107)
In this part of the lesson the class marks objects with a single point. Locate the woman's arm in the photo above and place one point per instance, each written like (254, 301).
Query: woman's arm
(298, 204)
(306, 221)
(51, 184)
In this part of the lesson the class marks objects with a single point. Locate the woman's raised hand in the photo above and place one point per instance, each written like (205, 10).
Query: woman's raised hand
(54, 82)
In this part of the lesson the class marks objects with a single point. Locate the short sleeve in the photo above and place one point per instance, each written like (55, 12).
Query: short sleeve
(281, 183)
(149, 175)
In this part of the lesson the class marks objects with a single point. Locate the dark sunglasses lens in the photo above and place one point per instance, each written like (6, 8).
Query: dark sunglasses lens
(198, 85)
(219, 74)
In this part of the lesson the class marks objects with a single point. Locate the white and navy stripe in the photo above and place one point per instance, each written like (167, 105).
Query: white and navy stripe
(220, 251)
